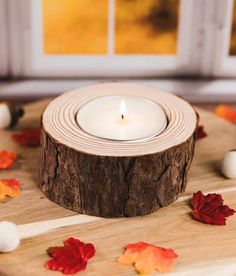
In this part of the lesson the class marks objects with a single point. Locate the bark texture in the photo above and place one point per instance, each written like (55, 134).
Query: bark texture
(113, 186)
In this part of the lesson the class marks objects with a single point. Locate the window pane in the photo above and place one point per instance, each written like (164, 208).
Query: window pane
(232, 50)
(75, 26)
(146, 27)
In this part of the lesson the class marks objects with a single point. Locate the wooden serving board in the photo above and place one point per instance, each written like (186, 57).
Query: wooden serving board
(205, 249)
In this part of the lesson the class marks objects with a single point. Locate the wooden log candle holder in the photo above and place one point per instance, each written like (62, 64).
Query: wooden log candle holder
(109, 178)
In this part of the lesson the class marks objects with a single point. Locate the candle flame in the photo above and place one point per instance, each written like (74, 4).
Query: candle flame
(122, 109)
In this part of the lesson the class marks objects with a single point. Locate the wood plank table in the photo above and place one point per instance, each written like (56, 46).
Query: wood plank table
(205, 249)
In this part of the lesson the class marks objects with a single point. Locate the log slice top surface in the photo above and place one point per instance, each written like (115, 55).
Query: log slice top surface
(59, 121)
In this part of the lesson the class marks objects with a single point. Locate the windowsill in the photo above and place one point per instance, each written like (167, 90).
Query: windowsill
(192, 90)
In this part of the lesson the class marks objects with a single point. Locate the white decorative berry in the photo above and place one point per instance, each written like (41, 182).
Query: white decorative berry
(9, 236)
(5, 116)
(228, 164)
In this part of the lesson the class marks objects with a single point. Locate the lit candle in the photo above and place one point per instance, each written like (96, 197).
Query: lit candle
(122, 118)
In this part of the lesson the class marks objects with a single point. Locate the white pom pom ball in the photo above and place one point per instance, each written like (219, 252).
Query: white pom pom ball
(5, 116)
(228, 164)
(9, 236)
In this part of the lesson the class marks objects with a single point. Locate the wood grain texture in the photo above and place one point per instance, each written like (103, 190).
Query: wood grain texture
(107, 178)
(203, 249)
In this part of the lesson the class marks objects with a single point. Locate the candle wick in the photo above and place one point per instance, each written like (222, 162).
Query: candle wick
(122, 116)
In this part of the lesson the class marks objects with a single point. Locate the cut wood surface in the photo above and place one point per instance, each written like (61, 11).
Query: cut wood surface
(110, 178)
(202, 249)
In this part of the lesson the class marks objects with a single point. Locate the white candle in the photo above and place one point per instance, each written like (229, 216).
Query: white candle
(123, 118)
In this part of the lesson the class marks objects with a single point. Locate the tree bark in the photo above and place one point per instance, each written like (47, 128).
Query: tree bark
(108, 186)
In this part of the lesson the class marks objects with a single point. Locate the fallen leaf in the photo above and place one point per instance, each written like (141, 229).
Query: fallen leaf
(70, 258)
(147, 258)
(200, 133)
(209, 209)
(226, 112)
(28, 137)
(9, 187)
(7, 159)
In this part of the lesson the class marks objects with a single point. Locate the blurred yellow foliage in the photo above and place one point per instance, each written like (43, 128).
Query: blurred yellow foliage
(81, 26)
(146, 27)
(75, 26)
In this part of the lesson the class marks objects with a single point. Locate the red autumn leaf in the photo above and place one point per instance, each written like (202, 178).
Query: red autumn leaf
(28, 137)
(9, 187)
(226, 112)
(209, 209)
(7, 159)
(200, 133)
(147, 258)
(70, 258)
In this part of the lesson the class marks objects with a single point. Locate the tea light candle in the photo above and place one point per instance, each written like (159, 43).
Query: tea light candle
(122, 118)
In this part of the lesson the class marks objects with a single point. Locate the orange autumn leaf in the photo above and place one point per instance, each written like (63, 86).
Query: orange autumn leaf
(226, 112)
(7, 159)
(9, 187)
(147, 258)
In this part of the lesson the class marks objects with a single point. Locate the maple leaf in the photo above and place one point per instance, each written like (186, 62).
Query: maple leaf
(200, 133)
(226, 112)
(28, 137)
(7, 159)
(147, 258)
(70, 258)
(209, 209)
(9, 187)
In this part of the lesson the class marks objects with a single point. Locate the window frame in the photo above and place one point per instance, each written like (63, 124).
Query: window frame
(225, 65)
(203, 43)
(33, 63)
(215, 59)
(4, 39)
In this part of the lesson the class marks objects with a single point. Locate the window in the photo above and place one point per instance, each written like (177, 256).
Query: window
(110, 27)
(146, 27)
(75, 27)
(112, 38)
(120, 38)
